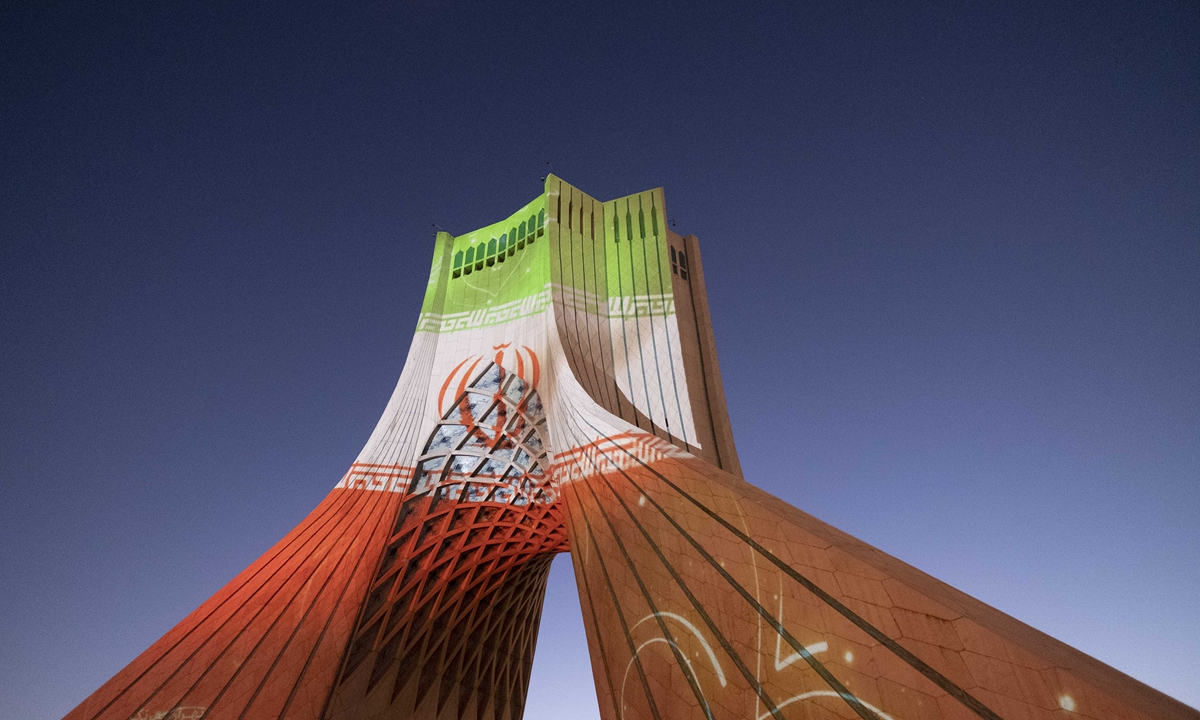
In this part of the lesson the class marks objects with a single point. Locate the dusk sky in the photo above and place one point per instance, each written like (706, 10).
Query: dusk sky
(952, 254)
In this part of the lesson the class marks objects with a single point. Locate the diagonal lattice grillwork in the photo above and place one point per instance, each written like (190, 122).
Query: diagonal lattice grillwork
(489, 444)
(450, 622)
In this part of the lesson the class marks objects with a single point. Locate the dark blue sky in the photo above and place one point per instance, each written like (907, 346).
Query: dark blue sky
(953, 256)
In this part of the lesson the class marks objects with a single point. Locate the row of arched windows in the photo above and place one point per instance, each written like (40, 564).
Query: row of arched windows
(496, 250)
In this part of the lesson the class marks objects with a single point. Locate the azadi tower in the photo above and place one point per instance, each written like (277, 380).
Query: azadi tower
(562, 394)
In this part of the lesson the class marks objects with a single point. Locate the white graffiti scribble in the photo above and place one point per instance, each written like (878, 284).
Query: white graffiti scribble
(712, 657)
(826, 693)
(810, 649)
